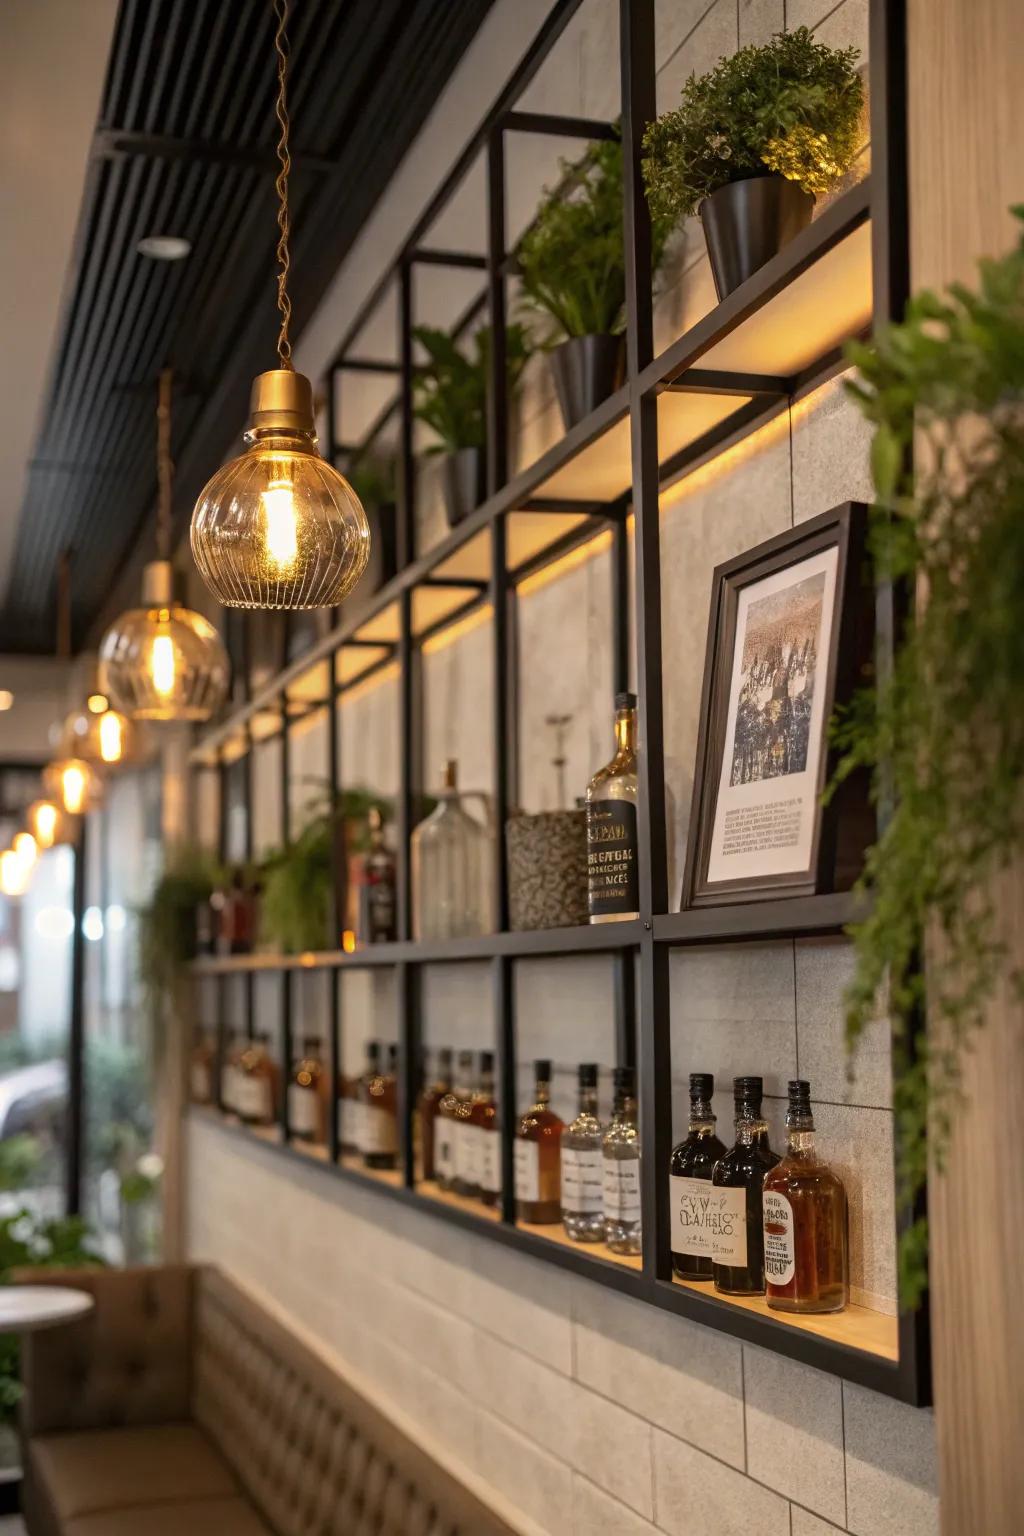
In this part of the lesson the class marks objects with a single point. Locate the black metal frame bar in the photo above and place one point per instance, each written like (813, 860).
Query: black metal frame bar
(639, 951)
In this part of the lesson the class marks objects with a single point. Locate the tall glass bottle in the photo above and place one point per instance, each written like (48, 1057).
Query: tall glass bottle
(621, 1168)
(806, 1241)
(485, 1119)
(429, 1104)
(538, 1159)
(612, 878)
(583, 1165)
(377, 901)
(452, 857)
(694, 1223)
(738, 1261)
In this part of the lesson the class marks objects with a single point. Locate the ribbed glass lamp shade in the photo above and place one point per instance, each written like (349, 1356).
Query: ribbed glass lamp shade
(279, 527)
(73, 784)
(104, 737)
(163, 661)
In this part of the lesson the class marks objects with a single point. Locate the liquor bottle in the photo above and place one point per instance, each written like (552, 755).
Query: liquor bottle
(379, 1121)
(445, 1127)
(583, 1165)
(255, 1083)
(621, 1168)
(349, 1115)
(738, 1259)
(466, 1180)
(427, 1111)
(305, 1093)
(359, 1113)
(237, 918)
(229, 1072)
(806, 1239)
(694, 1223)
(201, 1065)
(612, 880)
(538, 1156)
(485, 1119)
(377, 902)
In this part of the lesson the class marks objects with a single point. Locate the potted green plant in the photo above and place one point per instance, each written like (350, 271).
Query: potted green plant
(450, 394)
(168, 935)
(572, 267)
(372, 477)
(752, 144)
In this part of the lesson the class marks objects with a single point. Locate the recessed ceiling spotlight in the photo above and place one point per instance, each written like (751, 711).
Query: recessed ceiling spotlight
(164, 247)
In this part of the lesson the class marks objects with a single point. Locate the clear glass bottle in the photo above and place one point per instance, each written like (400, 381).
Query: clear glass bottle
(467, 1172)
(538, 1156)
(379, 1120)
(738, 1264)
(452, 863)
(612, 876)
(377, 899)
(583, 1165)
(428, 1108)
(690, 1198)
(305, 1094)
(621, 1168)
(806, 1226)
(485, 1118)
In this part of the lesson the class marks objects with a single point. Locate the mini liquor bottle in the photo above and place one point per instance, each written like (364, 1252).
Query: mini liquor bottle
(693, 1203)
(305, 1094)
(485, 1119)
(360, 1112)
(538, 1149)
(379, 1125)
(201, 1067)
(377, 903)
(255, 1083)
(467, 1173)
(738, 1178)
(583, 1165)
(621, 1168)
(806, 1243)
(612, 879)
(445, 1126)
(428, 1107)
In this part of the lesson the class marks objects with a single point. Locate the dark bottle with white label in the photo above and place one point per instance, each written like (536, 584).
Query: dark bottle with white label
(738, 1179)
(621, 1168)
(583, 1166)
(806, 1242)
(612, 879)
(694, 1219)
(377, 901)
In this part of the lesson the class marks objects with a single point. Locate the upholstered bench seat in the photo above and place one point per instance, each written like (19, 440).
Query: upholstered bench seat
(93, 1471)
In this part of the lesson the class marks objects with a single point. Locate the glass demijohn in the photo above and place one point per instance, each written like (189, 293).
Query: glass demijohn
(451, 868)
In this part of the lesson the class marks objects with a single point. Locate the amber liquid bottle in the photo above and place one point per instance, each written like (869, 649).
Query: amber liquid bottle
(612, 876)
(690, 1170)
(485, 1122)
(379, 1121)
(538, 1156)
(806, 1245)
(256, 1083)
(738, 1179)
(428, 1107)
(305, 1094)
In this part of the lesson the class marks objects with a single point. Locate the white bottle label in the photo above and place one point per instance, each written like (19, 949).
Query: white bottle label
(728, 1227)
(490, 1161)
(779, 1249)
(467, 1154)
(444, 1150)
(302, 1111)
(697, 1219)
(582, 1181)
(350, 1115)
(527, 1155)
(621, 1188)
(252, 1096)
(379, 1130)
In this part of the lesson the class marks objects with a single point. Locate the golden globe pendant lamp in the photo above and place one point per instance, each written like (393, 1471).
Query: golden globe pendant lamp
(279, 527)
(74, 784)
(48, 824)
(163, 661)
(99, 734)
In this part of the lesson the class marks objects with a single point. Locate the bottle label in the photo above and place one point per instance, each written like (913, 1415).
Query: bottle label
(697, 1216)
(779, 1248)
(444, 1149)
(612, 882)
(527, 1155)
(621, 1188)
(726, 1227)
(252, 1096)
(379, 1130)
(490, 1161)
(582, 1181)
(302, 1111)
(467, 1155)
(351, 1123)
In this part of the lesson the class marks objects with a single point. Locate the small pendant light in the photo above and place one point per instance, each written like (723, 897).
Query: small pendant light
(163, 661)
(279, 527)
(72, 783)
(48, 824)
(100, 734)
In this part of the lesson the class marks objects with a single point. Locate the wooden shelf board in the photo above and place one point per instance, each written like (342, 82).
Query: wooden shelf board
(431, 1191)
(874, 1333)
(554, 1232)
(470, 562)
(314, 1150)
(353, 1163)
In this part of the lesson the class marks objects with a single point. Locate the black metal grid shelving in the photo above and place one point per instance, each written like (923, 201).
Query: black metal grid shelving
(773, 340)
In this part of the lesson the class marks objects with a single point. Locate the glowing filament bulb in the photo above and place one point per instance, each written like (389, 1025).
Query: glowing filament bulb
(73, 788)
(44, 823)
(111, 737)
(162, 667)
(13, 874)
(281, 529)
(24, 846)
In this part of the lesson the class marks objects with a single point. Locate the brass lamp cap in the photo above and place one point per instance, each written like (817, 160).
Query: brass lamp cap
(283, 399)
(158, 584)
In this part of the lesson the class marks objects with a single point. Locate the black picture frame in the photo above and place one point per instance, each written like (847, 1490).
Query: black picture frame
(845, 825)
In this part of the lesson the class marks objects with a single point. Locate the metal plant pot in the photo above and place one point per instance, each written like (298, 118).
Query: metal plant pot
(747, 222)
(586, 370)
(465, 483)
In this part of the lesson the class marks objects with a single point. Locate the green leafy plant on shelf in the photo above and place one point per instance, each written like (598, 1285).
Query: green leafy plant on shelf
(943, 734)
(167, 926)
(373, 479)
(450, 389)
(790, 106)
(572, 261)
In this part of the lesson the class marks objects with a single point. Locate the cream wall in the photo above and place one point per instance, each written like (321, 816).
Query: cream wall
(577, 1408)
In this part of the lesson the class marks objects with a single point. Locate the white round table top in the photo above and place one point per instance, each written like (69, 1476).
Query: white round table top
(25, 1307)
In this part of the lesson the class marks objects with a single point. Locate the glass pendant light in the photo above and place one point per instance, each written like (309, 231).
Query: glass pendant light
(24, 845)
(74, 784)
(101, 735)
(13, 874)
(163, 661)
(47, 824)
(279, 527)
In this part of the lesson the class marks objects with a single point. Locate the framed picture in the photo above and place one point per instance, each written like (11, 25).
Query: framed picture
(790, 635)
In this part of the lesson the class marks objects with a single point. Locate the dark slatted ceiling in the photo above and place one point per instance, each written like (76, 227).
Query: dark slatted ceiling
(185, 146)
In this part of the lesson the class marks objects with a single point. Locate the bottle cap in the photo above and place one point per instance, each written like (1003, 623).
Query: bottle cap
(486, 1061)
(588, 1074)
(392, 1056)
(799, 1091)
(702, 1085)
(444, 1058)
(747, 1092)
(542, 1071)
(625, 701)
(373, 1050)
(623, 1078)
(465, 1058)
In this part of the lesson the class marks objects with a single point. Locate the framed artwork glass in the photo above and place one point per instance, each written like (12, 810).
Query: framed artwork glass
(789, 637)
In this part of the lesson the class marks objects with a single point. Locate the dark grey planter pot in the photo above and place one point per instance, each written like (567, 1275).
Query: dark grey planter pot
(465, 483)
(586, 370)
(747, 222)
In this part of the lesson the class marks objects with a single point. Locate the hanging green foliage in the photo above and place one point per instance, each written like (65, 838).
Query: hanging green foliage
(943, 735)
(167, 928)
(450, 390)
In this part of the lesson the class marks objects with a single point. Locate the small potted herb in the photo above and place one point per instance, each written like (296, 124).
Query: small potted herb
(451, 397)
(572, 265)
(751, 146)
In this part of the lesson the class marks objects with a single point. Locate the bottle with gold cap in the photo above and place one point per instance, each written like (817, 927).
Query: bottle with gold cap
(452, 865)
